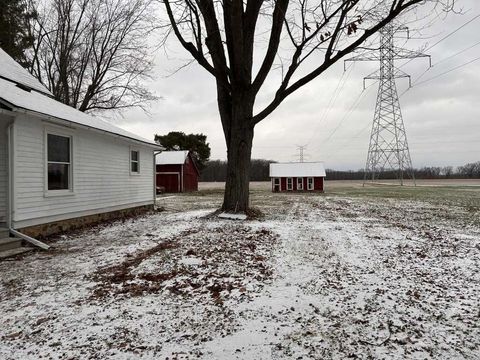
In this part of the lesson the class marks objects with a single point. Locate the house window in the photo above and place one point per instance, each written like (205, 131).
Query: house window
(134, 162)
(309, 183)
(299, 183)
(59, 162)
(289, 183)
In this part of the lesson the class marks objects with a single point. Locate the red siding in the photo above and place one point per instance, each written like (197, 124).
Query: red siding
(186, 174)
(190, 175)
(169, 181)
(318, 183)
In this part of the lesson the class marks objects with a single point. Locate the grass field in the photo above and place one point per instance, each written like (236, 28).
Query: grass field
(376, 272)
(458, 193)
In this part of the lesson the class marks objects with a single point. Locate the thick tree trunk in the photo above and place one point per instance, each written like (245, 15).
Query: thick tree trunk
(239, 139)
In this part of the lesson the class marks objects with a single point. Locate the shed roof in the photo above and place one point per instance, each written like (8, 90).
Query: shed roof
(14, 72)
(303, 169)
(172, 157)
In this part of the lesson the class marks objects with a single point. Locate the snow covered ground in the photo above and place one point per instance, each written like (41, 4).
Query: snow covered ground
(318, 277)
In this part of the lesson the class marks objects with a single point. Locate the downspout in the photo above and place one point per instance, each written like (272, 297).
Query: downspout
(155, 153)
(11, 198)
(10, 175)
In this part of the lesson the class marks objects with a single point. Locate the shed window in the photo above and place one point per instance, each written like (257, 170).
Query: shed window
(134, 161)
(289, 183)
(59, 162)
(310, 183)
(300, 183)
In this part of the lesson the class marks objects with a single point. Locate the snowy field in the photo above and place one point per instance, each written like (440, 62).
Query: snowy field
(373, 273)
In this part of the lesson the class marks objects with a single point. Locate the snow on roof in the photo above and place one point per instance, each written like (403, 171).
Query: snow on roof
(11, 70)
(297, 169)
(45, 105)
(172, 157)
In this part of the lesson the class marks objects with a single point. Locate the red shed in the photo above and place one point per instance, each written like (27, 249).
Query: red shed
(176, 171)
(305, 176)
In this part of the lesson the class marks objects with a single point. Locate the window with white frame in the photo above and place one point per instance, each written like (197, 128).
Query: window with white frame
(299, 183)
(310, 183)
(289, 183)
(134, 161)
(59, 162)
(276, 181)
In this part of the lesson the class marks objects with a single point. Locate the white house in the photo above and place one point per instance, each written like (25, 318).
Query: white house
(59, 164)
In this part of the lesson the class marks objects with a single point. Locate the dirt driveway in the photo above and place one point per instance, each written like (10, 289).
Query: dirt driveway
(319, 277)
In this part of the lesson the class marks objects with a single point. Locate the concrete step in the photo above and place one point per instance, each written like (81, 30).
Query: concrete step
(14, 252)
(4, 233)
(9, 243)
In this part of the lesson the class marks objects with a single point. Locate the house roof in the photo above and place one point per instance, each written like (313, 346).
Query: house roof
(172, 157)
(40, 101)
(14, 72)
(303, 169)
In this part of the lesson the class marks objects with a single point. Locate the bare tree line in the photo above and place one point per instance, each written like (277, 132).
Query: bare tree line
(216, 170)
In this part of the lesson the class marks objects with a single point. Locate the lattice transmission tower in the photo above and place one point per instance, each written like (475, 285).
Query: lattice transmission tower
(388, 152)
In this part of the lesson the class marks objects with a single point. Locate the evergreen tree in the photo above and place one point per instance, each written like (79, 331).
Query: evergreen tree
(196, 143)
(15, 37)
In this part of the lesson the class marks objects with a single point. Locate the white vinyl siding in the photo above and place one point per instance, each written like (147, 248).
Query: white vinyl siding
(3, 169)
(101, 175)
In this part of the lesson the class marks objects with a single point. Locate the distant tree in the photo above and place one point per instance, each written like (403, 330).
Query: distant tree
(196, 143)
(15, 37)
(216, 170)
(94, 54)
(471, 170)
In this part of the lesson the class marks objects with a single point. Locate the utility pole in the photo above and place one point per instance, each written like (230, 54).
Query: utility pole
(301, 149)
(388, 149)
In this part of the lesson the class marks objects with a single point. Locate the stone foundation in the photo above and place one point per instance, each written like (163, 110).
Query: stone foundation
(45, 230)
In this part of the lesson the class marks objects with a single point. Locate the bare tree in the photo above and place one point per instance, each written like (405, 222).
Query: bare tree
(93, 54)
(306, 36)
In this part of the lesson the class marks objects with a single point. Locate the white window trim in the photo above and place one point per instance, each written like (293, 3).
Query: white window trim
(59, 132)
(276, 182)
(291, 184)
(300, 183)
(130, 161)
(310, 188)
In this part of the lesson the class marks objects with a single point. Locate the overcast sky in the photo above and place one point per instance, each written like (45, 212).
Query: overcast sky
(441, 115)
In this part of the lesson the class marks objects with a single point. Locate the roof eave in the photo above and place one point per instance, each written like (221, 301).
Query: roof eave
(55, 118)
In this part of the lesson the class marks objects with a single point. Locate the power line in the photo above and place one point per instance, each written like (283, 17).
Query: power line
(332, 101)
(415, 84)
(453, 32)
(448, 71)
(445, 37)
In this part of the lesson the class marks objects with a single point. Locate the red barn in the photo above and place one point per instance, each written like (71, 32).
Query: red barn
(305, 176)
(176, 172)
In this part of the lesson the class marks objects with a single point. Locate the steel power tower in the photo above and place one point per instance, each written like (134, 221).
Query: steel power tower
(388, 149)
